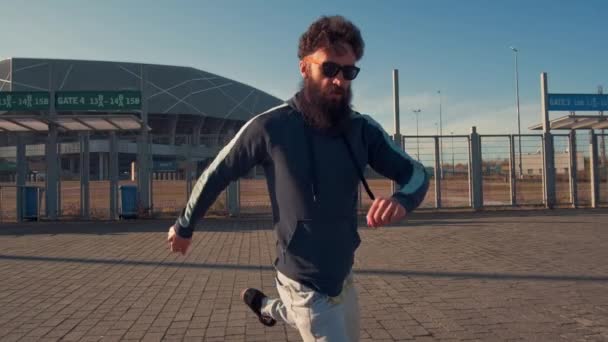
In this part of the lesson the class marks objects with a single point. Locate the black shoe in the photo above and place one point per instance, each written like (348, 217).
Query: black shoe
(253, 298)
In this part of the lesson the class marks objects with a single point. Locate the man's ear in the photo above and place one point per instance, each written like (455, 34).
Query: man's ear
(303, 67)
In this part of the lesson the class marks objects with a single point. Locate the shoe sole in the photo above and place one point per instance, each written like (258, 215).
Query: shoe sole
(267, 321)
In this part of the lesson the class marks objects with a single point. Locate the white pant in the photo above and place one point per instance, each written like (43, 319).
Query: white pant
(317, 317)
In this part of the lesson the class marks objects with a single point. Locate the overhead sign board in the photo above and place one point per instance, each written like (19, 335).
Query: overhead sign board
(98, 100)
(578, 102)
(24, 100)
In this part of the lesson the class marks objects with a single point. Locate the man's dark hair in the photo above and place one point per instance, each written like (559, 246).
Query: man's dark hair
(329, 32)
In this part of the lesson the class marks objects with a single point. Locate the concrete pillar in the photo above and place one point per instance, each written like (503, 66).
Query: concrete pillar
(172, 128)
(21, 175)
(113, 175)
(548, 151)
(188, 169)
(52, 174)
(595, 179)
(52, 152)
(103, 165)
(84, 175)
(144, 182)
(196, 131)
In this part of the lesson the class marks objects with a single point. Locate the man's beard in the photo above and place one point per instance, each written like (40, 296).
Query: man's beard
(320, 110)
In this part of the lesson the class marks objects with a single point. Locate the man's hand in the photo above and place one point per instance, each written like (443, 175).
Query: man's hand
(176, 243)
(384, 211)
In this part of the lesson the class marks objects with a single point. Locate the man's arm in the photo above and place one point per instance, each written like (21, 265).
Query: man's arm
(246, 149)
(389, 160)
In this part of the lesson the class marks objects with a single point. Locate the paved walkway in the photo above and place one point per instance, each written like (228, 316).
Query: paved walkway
(437, 277)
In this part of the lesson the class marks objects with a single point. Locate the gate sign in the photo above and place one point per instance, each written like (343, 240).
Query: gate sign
(164, 165)
(97, 100)
(578, 102)
(24, 100)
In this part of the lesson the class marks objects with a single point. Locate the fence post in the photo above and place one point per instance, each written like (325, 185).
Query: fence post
(360, 196)
(549, 170)
(475, 172)
(437, 174)
(21, 175)
(397, 138)
(595, 190)
(573, 168)
(512, 182)
(113, 173)
(233, 198)
(188, 170)
(84, 175)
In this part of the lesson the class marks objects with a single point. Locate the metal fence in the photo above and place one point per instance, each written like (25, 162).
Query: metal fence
(466, 171)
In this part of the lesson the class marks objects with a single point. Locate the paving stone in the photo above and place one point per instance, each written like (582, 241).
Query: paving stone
(490, 276)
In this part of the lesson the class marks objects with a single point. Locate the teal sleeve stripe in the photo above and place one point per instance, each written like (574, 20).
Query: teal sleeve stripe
(184, 220)
(418, 178)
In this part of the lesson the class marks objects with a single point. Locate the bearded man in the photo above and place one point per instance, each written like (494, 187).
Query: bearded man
(313, 149)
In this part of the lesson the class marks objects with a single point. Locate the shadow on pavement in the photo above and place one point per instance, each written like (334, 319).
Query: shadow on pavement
(377, 272)
(417, 219)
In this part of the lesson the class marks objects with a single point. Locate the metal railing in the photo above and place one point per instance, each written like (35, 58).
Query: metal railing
(466, 171)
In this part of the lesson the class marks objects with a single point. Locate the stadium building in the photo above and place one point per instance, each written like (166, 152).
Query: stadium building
(82, 121)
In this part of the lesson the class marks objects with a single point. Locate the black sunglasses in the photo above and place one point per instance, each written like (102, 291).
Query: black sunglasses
(331, 69)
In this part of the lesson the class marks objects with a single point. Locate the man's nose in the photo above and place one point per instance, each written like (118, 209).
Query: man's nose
(338, 79)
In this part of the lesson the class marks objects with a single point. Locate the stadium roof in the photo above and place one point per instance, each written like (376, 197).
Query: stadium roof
(573, 122)
(168, 89)
(21, 123)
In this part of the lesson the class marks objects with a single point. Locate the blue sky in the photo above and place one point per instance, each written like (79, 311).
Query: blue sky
(458, 47)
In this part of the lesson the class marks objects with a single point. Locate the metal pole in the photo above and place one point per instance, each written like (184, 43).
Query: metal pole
(512, 174)
(601, 140)
(437, 175)
(21, 175)
(232, 193)
(518, 114)
(476, 174)
(396, 104)
(84, 175)
(573, 168)
(188, 170)
(441, 135)
(113, 173)
(416, 112)
(397, 137)
(453, 166)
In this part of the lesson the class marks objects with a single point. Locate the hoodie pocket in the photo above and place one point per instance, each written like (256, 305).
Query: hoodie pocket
(325, 246)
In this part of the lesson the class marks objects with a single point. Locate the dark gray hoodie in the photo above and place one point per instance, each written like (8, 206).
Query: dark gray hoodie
(312, 181)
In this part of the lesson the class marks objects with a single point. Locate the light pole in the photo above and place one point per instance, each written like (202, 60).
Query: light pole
(515, 51)
(416, 112)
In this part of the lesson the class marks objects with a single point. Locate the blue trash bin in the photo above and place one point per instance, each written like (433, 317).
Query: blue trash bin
(30, 202)
(128, 201)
